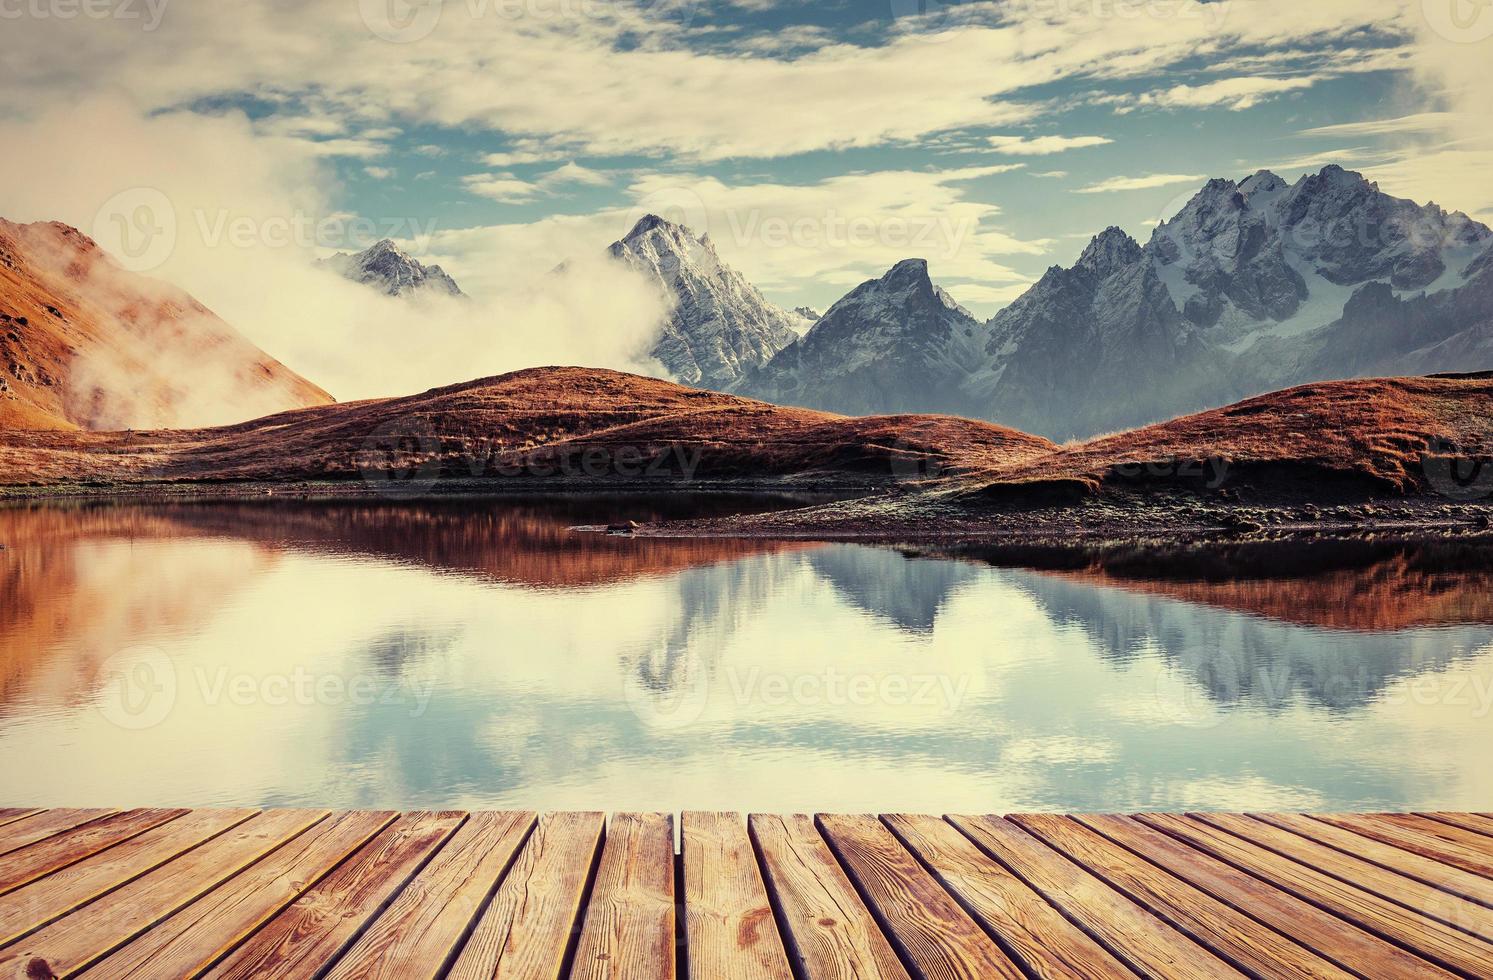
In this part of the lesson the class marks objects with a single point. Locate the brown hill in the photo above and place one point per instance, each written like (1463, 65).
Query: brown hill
(537, 426)
(1358, 438)
(86, 344)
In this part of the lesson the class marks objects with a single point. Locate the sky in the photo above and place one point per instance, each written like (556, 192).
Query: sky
(816, 143)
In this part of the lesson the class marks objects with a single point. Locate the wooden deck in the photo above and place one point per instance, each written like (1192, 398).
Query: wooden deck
(311, 893)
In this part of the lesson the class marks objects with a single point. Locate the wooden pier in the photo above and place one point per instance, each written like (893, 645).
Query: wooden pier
(312, 893)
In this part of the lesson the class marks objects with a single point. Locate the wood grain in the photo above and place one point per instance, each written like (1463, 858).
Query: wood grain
(1034, 932)
(629, 925)
(830, 932)
(926, 924)
(42, 858)
(1131, 932)
(728, 919)
(40, 826)
(527, 929)
(1433, 940)
(311, 933)
(30, 907)
(422, 930)
(1432, 839)
(1442, 876)
(1223, 929)
(1430, 901)
(1328, 935)
(80, 938)
(196, 936)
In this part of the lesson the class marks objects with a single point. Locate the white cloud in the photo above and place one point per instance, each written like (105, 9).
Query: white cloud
(503, 188)
(1051, 174)
(574, 173)
(1231, 93)
(1140, 183)
(379, 173)
(1421, 122)
(1034, 146)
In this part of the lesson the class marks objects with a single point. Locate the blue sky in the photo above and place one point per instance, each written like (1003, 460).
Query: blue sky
(817, 143)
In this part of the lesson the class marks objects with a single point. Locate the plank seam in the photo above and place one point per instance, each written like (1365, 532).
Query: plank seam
(1123, 958)
(1324, 953)
(881, 921)
(1361, 886)
(389, 900)
(271, 916)
(128, 881)
(791, 947)
(1259, 876)
(583, 907)
(1380, 864)
(1439, 818)
(1116, 886)
(466, 933)
(64, 830)
(6, 890)
(1011, 952)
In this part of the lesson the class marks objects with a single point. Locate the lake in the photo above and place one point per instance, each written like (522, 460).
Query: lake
(483, 654)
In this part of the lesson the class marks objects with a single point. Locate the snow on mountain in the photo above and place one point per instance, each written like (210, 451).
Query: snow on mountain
(719, 325)
(392, 271)
(893, 344)
(1252, 286)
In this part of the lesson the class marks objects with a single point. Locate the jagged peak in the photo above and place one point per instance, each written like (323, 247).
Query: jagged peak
(1262, 181)
(908, 269)
(1109, 250)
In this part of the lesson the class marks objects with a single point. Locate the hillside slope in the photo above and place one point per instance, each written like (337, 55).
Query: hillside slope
(85, 344)
(531, 426)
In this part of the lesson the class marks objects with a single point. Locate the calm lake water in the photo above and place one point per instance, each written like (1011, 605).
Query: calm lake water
(482, 654)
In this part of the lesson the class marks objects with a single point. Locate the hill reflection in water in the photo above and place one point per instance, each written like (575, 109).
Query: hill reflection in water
(482, 653)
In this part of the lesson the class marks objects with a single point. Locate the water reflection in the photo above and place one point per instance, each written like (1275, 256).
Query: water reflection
(479, 653)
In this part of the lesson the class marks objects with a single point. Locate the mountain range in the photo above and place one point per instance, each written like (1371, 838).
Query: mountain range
(1253, 286)
(392, 271)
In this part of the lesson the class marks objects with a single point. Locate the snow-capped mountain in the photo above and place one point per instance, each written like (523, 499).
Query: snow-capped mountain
(1252, 286)
(392, 271)
(719, 326)
(898, 343)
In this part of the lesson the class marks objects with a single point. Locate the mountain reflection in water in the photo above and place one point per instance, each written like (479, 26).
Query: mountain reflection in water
(482, 653)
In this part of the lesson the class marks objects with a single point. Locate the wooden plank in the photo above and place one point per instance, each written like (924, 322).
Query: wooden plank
(1415, 839)
(44, 857)
(1328, 935)
(1417, 895)
(80, 938)
(36, 904)
(526, 930)
(829, 932)
(1228, 932)
(935, 935)
(12, 814)
(729, 926)
(1471, 821)
(423, 928)
(629, 922)
(199, 934)
(40, 826)
(1434, 940)
(1442, 876)
(314, 929)
(1029, 928)
(1131, 932)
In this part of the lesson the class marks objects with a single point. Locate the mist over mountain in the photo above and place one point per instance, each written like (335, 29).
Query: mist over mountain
(718, 325)
(392, 271)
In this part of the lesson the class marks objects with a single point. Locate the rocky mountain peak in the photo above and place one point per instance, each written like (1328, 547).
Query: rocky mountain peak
(392, 271)
(1110, 250)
